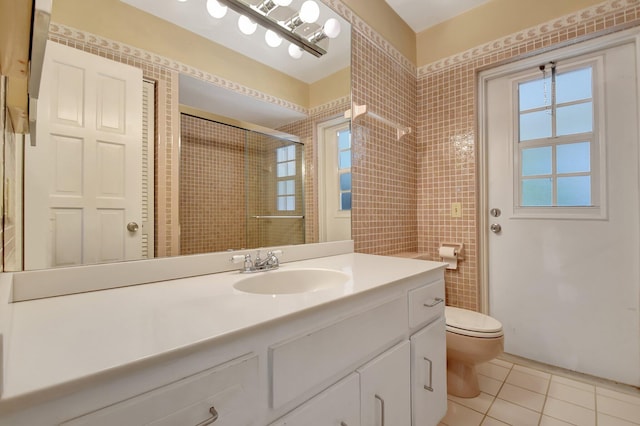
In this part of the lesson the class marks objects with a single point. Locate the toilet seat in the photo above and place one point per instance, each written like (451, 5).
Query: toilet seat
(472, 324)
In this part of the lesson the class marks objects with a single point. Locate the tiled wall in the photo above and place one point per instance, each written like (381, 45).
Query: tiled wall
(384, 168)
(447, 133)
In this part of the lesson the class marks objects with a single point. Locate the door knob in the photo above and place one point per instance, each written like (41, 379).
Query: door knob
(495, 228)
(132, 227)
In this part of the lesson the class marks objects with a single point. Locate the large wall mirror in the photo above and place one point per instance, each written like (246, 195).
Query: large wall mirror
(239, 145)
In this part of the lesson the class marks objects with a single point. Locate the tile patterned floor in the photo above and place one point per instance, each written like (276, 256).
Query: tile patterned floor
(518, 395)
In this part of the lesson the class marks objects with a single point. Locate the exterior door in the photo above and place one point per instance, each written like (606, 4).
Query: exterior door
(83, 176)
(562, 174)
(334, 165)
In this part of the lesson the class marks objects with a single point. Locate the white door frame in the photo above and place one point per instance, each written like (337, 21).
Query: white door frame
(322, 202)
(600, 43)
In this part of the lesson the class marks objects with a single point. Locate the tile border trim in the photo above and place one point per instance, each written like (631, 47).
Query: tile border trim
(515, 39)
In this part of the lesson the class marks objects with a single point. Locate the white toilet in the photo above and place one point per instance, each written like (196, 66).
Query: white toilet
(472, 338)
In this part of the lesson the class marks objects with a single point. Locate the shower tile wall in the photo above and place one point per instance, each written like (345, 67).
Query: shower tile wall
(447, 133)
(212, 186)
(384, 168)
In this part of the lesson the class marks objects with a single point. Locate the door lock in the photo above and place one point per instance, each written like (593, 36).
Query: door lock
(495, 228)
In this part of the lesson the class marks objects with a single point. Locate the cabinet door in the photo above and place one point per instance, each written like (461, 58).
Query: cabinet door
(229, 388)
(385, 388)
(337, 406)
(429, 374)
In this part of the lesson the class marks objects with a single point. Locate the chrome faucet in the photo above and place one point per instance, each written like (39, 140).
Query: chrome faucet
(269, 263)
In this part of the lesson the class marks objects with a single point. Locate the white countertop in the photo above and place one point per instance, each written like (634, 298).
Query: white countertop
(49, 342)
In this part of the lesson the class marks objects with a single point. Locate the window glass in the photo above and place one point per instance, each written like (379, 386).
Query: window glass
(574, 191)
(344, 159)
(344, 140)
(573, 158)
(535, 125)
(574, 119)
(573, 85)
(536, 161)
(537, 192)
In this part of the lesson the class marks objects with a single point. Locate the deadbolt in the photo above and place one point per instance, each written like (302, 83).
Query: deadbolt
(495, 212)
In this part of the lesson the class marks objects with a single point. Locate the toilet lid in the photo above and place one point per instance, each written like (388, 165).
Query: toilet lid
(470, 323)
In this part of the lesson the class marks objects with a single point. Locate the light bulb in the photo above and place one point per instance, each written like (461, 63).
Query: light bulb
(309, 12)
(272, 39)
(331, 28)
(182, 1)
(246, 25)
(282, 2)
(294, 51)
(215, 9)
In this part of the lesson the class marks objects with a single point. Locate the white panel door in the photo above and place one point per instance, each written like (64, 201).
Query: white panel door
(385, 388)
(566, 289)
(83, 176)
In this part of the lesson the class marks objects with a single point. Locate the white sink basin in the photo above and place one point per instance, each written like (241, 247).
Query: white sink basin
(291, 281)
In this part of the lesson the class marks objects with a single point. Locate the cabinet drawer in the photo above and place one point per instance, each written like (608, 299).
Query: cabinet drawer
(426, 304)
(305, 363)
(338, 405)
(230, 388)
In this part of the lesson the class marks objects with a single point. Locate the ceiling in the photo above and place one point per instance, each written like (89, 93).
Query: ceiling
(422, 14)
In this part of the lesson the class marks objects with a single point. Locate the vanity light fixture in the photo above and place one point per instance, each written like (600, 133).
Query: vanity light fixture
(281, 22)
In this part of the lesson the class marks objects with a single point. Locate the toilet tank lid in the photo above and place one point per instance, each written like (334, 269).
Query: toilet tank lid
(465, 319)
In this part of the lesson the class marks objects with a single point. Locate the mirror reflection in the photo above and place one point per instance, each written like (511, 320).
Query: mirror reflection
(210, 173)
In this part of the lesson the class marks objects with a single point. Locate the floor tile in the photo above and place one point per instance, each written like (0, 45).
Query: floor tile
(532, 371)
(617, 408)
(494, 371)
(488, 421)
(513, 414)
(502, 363)
(458, 415)
(573, 383)
(583, 398)
(606, 420)
(480, 403)
(550, 421)
(489, 385)
(633, 399)
(569, 412)
(528, 381)
(526, 398)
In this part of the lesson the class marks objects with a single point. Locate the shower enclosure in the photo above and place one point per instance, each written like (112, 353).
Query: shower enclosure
(238, 188)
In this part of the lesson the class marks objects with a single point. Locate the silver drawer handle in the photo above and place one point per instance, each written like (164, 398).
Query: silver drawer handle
(436, 301)
(379, 398)
(213, 418)
(430, 387)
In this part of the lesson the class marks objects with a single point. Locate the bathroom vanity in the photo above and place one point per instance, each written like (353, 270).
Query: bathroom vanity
(367, 348)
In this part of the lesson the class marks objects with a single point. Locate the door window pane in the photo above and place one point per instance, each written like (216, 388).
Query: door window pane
(573, 85)
(574, 191)
(345, 201)
(344, 140)
(535, 125)
(345, 182)
(574, 119)
(536, 161)
(573, 158)
(532, 94)
(537, 192)
(344, 160)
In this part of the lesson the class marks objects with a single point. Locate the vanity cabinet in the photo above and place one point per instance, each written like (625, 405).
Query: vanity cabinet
(339, 405)
(429, 374)
(385, 383)
(226, 393)
(376, 357)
